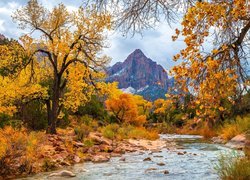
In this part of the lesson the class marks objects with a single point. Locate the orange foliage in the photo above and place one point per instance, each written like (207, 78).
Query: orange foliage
(125, 108)
(19, 146)
(213, 75)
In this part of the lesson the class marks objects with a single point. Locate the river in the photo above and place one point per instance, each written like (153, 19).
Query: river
(192, 159)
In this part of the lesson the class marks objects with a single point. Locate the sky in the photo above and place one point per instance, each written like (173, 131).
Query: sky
(156, 43)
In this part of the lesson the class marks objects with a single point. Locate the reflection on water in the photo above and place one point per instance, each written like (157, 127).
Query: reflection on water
(193, 159)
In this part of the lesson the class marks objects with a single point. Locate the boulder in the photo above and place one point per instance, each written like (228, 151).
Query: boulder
(180, 153)
(115, 155)
(105, 148)
(147, 159)
(158, 156)
(122, 159)
(60, 149)
(165, 172)
(76, 159)
(161, 164)
(65, 163)
(218, 140)
(97, 137)
(238, 142)
(150, 169)
(82, 170)
(78, 144)
(99, 158)
(119, 150)
(63, 173)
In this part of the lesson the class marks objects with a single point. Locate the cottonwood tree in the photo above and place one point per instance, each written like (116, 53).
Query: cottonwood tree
(216, 75)
(126, 109)
(68, 45)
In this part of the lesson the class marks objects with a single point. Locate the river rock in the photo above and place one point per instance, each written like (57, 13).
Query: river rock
(238, 142)
(165, 172)
(180, 153)
(76, 159)
(60, 149)
(100, 158)
(122, 159)
(147, 159)
(115, 154)
(161, 164)
(158, 156)
(105, 148)
(65, 163)
(63, 173)
(82, 170)
(78, 144)
(150, 169)
(97, 137)
(155, 151)
(218, 140)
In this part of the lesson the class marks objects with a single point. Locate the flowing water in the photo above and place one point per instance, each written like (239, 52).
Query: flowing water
(198, 163)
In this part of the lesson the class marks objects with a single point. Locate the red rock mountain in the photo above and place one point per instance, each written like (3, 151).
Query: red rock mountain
(140, 75)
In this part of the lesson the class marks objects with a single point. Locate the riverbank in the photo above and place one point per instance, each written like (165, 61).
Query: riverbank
(31, 153)
(51, 152)
(164, 163)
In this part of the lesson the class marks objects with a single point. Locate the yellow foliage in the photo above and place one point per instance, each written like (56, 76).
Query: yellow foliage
(212, 76)
(61, 64)
(128, 108)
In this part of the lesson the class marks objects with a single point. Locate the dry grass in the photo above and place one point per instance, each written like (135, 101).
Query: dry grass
(233, 167)
(239, 126)
(19, 146)
(114, 131)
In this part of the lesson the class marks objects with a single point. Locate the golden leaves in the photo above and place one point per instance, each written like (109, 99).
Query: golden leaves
(211, 75)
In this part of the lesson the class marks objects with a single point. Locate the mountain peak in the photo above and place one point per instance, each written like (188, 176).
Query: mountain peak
(137, 51)
(140, 74)
(136, 54)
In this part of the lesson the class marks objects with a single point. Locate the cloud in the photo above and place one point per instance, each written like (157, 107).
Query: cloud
(156, 44)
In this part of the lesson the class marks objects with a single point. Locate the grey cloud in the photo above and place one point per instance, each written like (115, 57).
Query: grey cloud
(155, 43)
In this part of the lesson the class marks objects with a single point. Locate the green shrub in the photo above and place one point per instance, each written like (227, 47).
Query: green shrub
(82, 132)
(95, 109)
(33, 115)
(88, 143)
(110, 131)
(48, 165)
(85, 119)
(164, 128)
(177, 120)
(4, 119)
(114, 131)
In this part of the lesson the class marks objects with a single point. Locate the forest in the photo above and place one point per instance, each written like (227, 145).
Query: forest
(57, 110)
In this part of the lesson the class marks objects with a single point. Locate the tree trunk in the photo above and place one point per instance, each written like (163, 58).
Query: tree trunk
(55, 105)
(210, 123)
(48, 106)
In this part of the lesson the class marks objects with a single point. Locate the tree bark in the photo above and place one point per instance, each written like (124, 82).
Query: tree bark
(48, 106)
(55, 105)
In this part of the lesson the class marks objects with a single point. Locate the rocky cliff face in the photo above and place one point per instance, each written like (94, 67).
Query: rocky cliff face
(140, 75)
